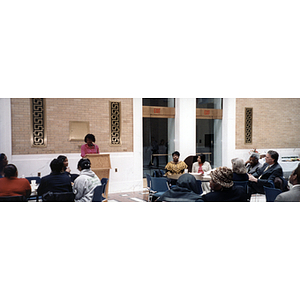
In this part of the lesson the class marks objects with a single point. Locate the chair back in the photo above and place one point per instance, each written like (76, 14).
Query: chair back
(98, 191)
(58, 197)
(199, 182)
(36, 178)
(189, 161)
(104, 183)
(13, 199)
(271, 193)
(148, 181)
(281, 184)
(159, 184)
(243, 184)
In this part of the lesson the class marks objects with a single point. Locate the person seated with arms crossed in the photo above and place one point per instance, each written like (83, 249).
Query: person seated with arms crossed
(11, 185)
(268, 172)
(3, 164)
(56, 181)
(253, 163)
(293, 195)
(89, 147)
(86, 182)
(239, 170)
(223, 188)
(186, 190)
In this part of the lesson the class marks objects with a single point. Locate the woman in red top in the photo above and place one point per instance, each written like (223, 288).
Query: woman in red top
(11, 185)
(89, 147)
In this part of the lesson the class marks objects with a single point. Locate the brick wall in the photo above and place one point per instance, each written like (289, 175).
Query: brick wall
(276, 123)
(59, 111)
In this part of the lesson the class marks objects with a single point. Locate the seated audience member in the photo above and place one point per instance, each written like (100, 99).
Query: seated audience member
(268, 172)
(201, 166)
(175, 166)
(253, 164)
(3, 164)
(56, 181)
(86, 182)
(239, 170)
(89, 147)
(11, 185)
(66, 168)
(294, 194)
(186, 190)
(223, 189)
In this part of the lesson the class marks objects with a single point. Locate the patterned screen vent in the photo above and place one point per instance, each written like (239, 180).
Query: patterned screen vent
(248, 125)
(38, 138)
(115, 123)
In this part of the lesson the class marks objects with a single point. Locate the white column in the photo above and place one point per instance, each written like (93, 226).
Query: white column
(138, 142)
(5, 127)
(185, 126)
(228, 131)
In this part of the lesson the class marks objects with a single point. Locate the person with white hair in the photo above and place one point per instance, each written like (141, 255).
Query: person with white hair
(239, 170)
(253, 163)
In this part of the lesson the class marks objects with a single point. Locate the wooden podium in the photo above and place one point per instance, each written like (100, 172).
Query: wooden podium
(100, 164)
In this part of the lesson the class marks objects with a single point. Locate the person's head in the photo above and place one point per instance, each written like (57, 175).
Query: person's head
(221, 178)
(295, 177)
(238, 166)
(175, 156)
(65, 161)
(84, 164)
(201, 158)
(10, 171)
(189, 182)
(272, 157)
(254, 158)
(3, 161)
(90, 139)
(56, 166)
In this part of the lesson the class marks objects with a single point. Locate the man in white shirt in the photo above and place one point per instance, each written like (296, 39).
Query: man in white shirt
(294, 194)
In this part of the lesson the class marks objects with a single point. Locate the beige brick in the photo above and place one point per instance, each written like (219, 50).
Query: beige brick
(59, 111)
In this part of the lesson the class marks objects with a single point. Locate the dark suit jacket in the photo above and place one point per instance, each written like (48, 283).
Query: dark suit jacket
(234, 194)
(269, 175)
(56, 183)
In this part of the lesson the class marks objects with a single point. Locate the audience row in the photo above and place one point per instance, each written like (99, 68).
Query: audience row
(60, 180)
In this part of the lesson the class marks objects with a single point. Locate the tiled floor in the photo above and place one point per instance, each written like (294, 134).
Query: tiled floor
(143, 196)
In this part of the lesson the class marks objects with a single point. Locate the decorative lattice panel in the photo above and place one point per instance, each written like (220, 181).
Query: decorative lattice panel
(248, 125)
(38, 138)
(115, 123)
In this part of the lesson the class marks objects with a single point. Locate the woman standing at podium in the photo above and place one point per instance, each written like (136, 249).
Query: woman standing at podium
(89, 147)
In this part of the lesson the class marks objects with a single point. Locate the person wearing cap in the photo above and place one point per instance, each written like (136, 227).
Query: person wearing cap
(223, 188)
(86, 182)
(253, 163)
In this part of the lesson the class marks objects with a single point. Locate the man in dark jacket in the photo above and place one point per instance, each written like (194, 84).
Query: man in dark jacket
(268, 172)
(223, 188)
(56, 182)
